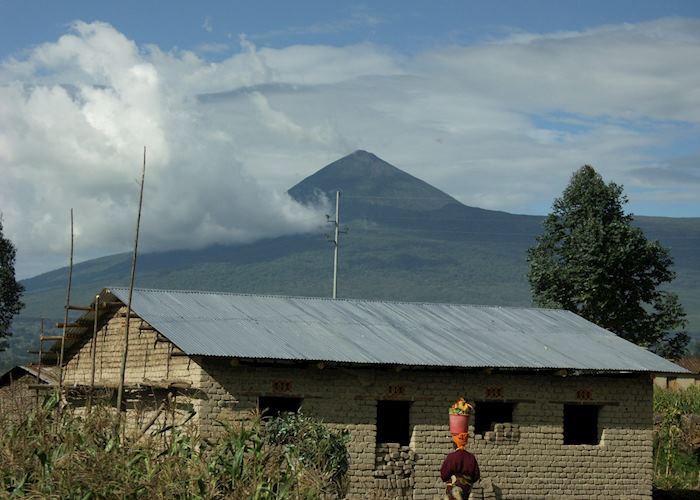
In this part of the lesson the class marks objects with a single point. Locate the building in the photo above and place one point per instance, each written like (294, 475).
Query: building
(563, 408)
(681, 380)
(17, 393)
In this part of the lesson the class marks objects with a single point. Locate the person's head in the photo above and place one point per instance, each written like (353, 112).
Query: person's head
(460, 440)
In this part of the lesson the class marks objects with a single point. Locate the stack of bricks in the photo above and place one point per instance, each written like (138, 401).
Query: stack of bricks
(504, 433)
(393, 473)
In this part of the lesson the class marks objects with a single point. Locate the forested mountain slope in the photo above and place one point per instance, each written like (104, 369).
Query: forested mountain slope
(406, 241)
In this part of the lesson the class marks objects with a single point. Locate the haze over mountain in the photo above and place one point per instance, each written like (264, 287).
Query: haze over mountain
(406, 240)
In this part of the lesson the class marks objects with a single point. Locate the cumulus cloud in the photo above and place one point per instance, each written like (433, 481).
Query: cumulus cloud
(73, 120)
(500, 125)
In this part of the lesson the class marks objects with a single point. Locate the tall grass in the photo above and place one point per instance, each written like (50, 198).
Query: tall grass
(50, 454)
(676, 465)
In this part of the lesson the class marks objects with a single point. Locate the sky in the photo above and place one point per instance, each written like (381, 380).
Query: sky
(495, 103)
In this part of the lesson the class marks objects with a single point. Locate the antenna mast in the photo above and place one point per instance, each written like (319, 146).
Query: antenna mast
(336, 242)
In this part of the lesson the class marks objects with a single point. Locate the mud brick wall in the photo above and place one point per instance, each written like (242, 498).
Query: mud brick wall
(17, 399)
(524, 459)
(150, 360)
(393, 471)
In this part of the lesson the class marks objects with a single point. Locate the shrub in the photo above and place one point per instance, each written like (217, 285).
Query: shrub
(60, 454)
(675, 461)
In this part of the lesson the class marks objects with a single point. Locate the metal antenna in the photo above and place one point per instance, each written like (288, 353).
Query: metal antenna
(336, 241)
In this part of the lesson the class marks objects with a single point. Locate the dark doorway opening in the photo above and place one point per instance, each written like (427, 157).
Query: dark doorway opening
(393, 424)
(272, 407)
(581, 424)
(489, 413)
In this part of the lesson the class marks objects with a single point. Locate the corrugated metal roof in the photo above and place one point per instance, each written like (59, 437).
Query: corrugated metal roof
(690, 363)
(49, 374)
(376, 332)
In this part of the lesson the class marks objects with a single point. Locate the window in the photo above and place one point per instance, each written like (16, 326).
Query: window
(272, 407)
(489, 413)
(581, 424)
(393, 422)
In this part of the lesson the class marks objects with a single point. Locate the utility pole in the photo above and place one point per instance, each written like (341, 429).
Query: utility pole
(122, 371)
(67, 308)
(336, 242)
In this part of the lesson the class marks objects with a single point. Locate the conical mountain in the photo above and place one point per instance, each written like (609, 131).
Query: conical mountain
(407, 240)
(364, 178)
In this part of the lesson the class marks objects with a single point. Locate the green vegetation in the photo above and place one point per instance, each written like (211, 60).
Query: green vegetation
(677, 439)
(48, 453)
(591, 260)
(10, 290)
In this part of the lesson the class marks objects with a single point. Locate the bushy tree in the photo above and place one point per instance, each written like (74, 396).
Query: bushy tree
(10, 290)
(591, 260)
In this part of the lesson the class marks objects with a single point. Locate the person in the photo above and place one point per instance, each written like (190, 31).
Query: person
(459, 470)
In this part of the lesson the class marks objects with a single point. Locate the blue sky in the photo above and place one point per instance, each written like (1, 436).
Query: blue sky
(403, 25)
(496, 103)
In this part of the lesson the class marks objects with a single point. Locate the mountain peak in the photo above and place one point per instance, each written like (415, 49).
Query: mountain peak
(365, 177)
(361, 152)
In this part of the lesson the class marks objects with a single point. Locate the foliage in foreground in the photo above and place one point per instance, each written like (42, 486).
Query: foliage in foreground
(676, 459)
(591, 260)
(67, 456)
(10, 290)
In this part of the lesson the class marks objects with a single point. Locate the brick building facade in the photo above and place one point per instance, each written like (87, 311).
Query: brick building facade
(559, 431)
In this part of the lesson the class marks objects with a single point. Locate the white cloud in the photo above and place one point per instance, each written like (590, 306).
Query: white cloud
(500, 125)
(357, 20)
(73, 121)
(208, 27)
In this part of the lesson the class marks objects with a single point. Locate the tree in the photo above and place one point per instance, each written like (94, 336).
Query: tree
(591, 260)
(10, 290)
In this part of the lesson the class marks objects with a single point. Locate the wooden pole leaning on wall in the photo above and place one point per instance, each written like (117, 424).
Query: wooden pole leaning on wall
(65, 317)
(38, 368)
(125, 349)
(93, 349)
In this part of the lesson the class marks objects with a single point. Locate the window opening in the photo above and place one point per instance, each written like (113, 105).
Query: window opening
(393, 422)
(489, 413)
(272, 407)
(581, 424)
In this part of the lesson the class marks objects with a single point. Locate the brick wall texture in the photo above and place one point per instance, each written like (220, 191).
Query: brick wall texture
(526, 458)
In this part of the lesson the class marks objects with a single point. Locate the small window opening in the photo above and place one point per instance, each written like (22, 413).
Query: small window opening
(581, 424)
(272, 407)
(393, 422)
(489, 413)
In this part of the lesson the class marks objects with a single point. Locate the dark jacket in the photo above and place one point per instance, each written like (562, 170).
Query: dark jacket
(460, 462)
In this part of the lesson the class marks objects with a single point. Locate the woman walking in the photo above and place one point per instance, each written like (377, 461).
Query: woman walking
(459, 470)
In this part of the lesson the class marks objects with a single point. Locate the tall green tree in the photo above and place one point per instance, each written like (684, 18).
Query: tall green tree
(10, 290)
(591, 260)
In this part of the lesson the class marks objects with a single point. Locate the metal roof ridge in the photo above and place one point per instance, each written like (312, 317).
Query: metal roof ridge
(339, 299)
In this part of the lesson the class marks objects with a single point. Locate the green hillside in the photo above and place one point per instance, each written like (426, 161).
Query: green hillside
(407, 241)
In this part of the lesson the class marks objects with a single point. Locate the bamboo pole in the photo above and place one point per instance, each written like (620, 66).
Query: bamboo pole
(93, 349)
(125, 350)
(63, 339)
(38, 370)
